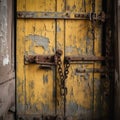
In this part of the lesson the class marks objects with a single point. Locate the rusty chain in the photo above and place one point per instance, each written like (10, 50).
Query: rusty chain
(63, 75)
(92, 24)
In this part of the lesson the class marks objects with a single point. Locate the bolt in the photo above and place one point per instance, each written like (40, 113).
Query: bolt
(59, 52)
(77, 15)
(19, 14)
(67, 14)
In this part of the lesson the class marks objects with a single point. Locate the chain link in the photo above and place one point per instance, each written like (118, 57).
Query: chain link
(63, 74)
(93, 22)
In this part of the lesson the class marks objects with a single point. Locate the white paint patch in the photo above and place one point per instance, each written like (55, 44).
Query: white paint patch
(6, 60)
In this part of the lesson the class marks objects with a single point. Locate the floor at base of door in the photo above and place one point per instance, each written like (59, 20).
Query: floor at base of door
(49, 117)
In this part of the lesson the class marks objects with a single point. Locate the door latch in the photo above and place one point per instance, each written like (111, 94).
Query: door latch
(44, 61)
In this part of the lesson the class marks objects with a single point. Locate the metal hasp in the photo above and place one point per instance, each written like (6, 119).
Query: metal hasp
(42, 59)
(45, 62)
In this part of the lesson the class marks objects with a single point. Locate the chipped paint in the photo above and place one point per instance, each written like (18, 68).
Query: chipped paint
(40, 41)
(45, 79)
(73, 49)
(58, 29)
(74, 38)
(69, 49)
(31, 84)
(78, 110)
(6, 60)
(3, 33)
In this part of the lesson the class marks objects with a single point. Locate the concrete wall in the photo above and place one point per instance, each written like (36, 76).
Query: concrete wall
(7, 81)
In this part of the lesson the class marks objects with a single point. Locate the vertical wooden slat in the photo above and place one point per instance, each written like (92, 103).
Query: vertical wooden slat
(78, 42)
(40, 39)
(60, 40)
(20, 75)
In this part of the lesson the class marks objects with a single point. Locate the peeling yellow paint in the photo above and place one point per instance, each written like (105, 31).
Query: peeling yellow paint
(38, 90)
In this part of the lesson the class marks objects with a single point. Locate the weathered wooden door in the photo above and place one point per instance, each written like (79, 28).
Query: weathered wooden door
(75, 28)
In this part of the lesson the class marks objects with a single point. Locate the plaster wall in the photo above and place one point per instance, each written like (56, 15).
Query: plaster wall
(7, 81)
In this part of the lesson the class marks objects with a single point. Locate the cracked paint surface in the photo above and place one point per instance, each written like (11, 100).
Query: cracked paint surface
(39, 41)
(38, 90)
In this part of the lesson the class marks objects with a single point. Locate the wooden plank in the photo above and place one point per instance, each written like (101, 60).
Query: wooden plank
(40, 84)
(78, 42)
(81, 36)
(20, 74)
(79, 103)
(40, 5)
(60, 40)
(78, 5)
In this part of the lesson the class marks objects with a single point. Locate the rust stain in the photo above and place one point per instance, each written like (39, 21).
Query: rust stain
(73, 109)
(31, 84)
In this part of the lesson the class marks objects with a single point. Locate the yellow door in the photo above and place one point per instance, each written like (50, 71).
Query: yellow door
(46, 28)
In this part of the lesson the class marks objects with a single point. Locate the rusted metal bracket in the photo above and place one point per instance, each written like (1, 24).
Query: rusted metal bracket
(61, 15)
(99, 17)
(52, 15)
(93, 16)
(40, 59)
(84, 58)
(45, 62)
(95, 70)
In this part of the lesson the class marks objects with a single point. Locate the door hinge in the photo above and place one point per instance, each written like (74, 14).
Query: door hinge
(92, 16)
(99, 17)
